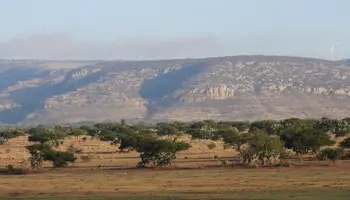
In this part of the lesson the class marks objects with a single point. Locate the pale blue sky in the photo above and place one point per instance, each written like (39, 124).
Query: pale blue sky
(151, 29)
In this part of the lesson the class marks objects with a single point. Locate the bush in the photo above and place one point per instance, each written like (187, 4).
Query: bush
(46, 137)
(10, 169)
(158, 152)
(211, 146)
(3, 141)
(60, 158)
(86, 158)
(262, 149)
(166, 129)
(11, 133)
(341, 133)
(38, 152)
(44, 152)
(74, 150)
(346, 156)
(305, 140)
(232, 139)
(345, 143)
(287, 153)
(330, 154)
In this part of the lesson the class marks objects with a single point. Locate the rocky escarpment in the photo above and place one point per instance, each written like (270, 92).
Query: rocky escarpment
(237, 87)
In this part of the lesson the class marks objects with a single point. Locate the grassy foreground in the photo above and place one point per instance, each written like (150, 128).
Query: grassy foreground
(304, 183)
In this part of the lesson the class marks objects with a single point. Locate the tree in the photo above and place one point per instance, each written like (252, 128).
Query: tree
(181, 126)
(240, 125)
(305, 140)
(46, 135)
(266, 147)
(333, 126)
(204, 130)
(11, 133)
(233, 139)
(48, 138)
(76, 132)
(60, 158)
(268, 126)
(158, 152)
(166, 129)
(38, 152)
(122, 122)
(262, 149)
(330, 154)
(294, 124)
(44, 152)
(345, 143)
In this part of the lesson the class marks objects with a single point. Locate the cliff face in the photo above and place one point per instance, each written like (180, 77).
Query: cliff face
(230, 88)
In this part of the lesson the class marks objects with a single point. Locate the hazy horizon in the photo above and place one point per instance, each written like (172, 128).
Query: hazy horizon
(154, 29)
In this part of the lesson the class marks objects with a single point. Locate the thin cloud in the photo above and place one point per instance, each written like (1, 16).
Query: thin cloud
(63, 46)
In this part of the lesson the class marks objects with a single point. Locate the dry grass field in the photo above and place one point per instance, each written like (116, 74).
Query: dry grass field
(196, 175)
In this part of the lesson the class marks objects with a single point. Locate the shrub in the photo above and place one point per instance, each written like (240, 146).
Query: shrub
(166, 129)
(211, 146)
(86, 158)
(47, 137)
(346, 156)
(262, 149)
(345, 143)
(159, 152)
(3, 141)
(204, 130)
(11, 133)
(10, 169)
(341, 133)
(44, 152)
(287, 153)
(38, 152)
(74, 150)
(330, 154)
(232, 139)
(60, 158)
(305, 140)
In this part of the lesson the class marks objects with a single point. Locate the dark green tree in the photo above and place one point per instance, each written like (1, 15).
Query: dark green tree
(345, 143)
(330, 154)
(306, 140)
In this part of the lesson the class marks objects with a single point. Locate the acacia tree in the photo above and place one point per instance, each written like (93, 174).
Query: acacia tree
(268, 126)
(233, 139)
(44, 151)
(305, 140)
(166, 129)
(330, 154)
(157, 152)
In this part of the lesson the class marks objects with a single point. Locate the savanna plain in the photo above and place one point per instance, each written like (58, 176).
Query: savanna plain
(198, 173)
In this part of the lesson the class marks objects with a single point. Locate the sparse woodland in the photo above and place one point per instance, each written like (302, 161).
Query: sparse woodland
(266, 143)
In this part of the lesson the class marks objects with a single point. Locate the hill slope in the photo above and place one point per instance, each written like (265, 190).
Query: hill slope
(237, 88)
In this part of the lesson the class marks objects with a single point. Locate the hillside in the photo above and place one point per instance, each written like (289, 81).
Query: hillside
(237, 88)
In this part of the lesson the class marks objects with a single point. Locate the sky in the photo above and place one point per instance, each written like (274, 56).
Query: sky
(166, 29)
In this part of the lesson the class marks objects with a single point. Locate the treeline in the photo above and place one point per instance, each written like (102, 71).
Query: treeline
(262, 142)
